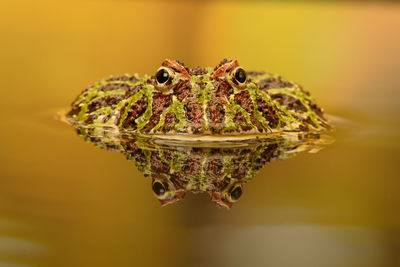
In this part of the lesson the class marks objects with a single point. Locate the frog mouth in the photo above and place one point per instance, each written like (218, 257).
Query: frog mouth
(192, 138)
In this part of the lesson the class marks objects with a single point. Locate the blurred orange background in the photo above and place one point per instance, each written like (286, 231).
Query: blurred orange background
(64, 202)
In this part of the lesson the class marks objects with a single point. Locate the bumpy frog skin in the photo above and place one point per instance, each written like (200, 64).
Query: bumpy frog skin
(179, 102)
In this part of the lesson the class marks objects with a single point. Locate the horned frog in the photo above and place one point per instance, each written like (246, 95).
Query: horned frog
(220, 103)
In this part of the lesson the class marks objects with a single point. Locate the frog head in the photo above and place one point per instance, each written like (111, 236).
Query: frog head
(203, 100)
(179, 101)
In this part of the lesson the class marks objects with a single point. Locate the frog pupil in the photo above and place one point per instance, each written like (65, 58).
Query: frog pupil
(236, 193)
(158, 188)
(240, 75)
(162, 76)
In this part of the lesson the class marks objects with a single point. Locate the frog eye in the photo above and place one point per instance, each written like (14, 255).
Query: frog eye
(234, 193)
(164, 77)
(238, 77)
(160, 188)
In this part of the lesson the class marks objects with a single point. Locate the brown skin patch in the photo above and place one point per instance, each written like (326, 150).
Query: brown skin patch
(316, 109)
(178, 181)
(290, 102)
(241, 167)
(168, 155)
(265, 156)
(241, 121)
(220, 185)
(74, 111)
(214, 168)
(305, 124)
(240, 172)
(122, 111)
(308, 121)
(198, 71)
(192, 166)
(157, 164)
(303, 127)
(135, 153)
(91, 118)
(194, 114)
(132, 90)
(182, 89)
(216, 115)
(134, 112)
(151, 81)
(170, 121)
(268, 112)
(224, 89)
(160, 103)
(201, 84)
(104, 102)
(243, 99)
(269, 83)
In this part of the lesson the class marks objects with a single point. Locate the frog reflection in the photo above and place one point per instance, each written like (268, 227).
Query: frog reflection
(166, 192)
(222, 172)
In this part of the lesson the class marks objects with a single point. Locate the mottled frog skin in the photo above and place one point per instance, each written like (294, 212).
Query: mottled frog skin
(178, 101)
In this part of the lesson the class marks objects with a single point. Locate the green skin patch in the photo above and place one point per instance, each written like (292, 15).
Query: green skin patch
(293, 108)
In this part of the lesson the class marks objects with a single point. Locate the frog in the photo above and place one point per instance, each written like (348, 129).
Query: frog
(203, 104)
(220, 171)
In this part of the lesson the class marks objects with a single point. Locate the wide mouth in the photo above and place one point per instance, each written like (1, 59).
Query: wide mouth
(210, 138)
(227, 140)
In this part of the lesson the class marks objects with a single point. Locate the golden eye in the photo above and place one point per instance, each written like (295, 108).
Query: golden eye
(238, 77)
(164, 78)
(234, 193)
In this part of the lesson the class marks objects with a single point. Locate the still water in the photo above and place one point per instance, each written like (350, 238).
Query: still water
(67, 202)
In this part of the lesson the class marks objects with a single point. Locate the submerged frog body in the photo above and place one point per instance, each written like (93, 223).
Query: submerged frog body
(179, 102)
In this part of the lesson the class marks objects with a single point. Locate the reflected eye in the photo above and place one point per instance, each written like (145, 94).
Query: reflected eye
(238, 77)
(161, 189)
(235, 193)
(164, 78)
(158, 188)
